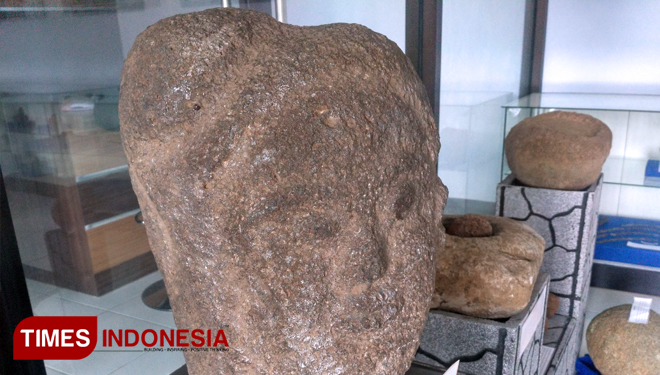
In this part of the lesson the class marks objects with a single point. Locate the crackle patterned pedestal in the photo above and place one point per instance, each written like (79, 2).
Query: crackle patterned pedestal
(563, 338)
(484, 346)
(568, 221)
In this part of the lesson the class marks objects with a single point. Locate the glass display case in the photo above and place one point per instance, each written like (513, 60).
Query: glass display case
(484, 54)
(469, 159)
(630, 201)
(635, 124)
(67, 181)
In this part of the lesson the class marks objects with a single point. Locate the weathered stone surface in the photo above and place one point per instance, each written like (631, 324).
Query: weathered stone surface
(470, 225)
(287, 178)
(558, 150)
(619, 347)
(488, 277)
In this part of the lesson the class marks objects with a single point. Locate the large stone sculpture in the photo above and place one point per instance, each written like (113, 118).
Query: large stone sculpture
(488, 267)
(558, 150)
(287, 178)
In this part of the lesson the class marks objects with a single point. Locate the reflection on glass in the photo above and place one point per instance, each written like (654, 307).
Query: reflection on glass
(601, 102)
(66, 175)
(481, 67)
(69, 190)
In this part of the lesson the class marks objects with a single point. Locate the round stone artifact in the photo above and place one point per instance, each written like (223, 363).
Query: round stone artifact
(488, 277)
(287, 177)
(620, 347)
(558, 150)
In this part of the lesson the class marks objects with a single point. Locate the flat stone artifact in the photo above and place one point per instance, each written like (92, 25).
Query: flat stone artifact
(487, 277)
(558, 150)
(288, 181)
(620, 347)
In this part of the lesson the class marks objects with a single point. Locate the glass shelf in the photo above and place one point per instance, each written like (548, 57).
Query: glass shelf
(108, 95)
(101, 173)
(53, 137)
(457, 206)
(470, 157)
(622, 171)
(599, 102)
(616, 171)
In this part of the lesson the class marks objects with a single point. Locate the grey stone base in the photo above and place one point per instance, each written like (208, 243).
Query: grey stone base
(564, 336)
(567, 220)
(488, 347)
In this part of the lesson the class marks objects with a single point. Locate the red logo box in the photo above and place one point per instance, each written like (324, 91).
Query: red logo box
(55, 337)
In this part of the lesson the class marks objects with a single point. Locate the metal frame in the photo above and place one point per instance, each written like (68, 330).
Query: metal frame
(538, 48)
(531, 72)
(423, 45)
(264, 6)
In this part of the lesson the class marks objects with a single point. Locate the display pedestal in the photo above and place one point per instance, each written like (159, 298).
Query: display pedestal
(562, 341)
(567, 220)
(490, 347)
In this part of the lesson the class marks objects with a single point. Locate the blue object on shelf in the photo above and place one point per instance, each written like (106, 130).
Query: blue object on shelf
(652, 174)
(585, 366)
(628, 240)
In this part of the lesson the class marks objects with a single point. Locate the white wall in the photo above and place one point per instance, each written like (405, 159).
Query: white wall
(603, 46)
(482, 47)
(387, 17)
(482, 43)
(59, 52)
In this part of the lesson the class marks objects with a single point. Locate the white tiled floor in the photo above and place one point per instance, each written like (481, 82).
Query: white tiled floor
(121, 308)
(602, 299)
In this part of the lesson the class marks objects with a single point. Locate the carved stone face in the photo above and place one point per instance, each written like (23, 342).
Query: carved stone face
(289, 190)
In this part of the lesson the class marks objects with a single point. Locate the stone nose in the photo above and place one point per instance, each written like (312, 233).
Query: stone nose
(369, 257)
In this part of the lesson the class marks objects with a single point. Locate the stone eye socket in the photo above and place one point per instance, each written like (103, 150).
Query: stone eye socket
(404, 201)
(325, 229)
